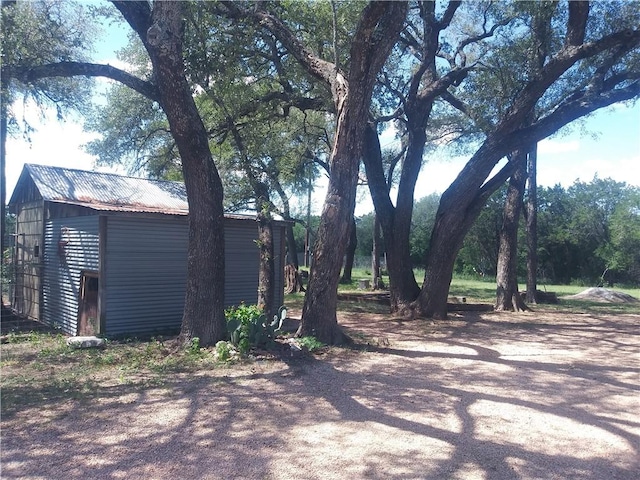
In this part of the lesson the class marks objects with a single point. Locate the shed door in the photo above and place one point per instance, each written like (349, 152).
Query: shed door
(88, 316)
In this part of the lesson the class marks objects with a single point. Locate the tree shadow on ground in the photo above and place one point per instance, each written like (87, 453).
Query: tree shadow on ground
(477, 397)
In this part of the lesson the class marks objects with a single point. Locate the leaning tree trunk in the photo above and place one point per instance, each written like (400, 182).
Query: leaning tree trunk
(460, 206)
(161, 31)
(532, 226)
(351, 253)
(507, 295)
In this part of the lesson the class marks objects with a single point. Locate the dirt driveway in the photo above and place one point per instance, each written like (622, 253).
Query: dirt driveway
(482, 396)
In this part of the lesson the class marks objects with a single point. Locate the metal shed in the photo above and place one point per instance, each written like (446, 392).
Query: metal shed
(100, 253)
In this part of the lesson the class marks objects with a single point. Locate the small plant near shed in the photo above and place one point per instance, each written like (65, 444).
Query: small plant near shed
(224, 351)
(248, 327)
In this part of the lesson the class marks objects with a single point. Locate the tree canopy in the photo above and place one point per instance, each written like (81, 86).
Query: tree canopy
(243, 98)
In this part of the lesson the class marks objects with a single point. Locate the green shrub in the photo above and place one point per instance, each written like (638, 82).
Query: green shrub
(248, 327)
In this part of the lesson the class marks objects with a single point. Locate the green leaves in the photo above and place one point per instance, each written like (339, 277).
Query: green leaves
(249, 328)
(44, 32)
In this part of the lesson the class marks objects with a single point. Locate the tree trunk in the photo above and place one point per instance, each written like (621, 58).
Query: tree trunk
(394, 221)
(266, 282)
(459, 207)
(351, 253)
(321, 300)
(532, 226)
(292, 248)
(3, 171)
(292, 280)
(162, 34)
(507, 296)
(376, 34)
(378, 284)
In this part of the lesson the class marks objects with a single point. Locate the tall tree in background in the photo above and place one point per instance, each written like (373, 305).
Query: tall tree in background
(507, 295)
(532, 55)
(531, 218)
(352, 245)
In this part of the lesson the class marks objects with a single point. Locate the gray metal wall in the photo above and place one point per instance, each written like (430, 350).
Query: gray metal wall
(144, 270)
(146, 262)
(71, 246)
(145, 277)
(243, 262)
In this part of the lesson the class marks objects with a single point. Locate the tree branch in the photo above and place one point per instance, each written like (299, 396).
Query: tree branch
(445, 21)
(316, 66)
(577, 22)
(29, 74)
(558, 65)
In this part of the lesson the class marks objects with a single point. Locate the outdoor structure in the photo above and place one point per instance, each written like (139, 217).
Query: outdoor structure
(98, 253)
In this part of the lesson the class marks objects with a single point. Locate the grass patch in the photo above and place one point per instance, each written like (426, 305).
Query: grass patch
(39, 368)
(479, 291)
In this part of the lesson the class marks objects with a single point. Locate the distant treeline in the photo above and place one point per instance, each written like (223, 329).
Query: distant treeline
(588, 233)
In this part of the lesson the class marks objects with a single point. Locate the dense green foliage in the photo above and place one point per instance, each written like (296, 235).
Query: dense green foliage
(589, 233)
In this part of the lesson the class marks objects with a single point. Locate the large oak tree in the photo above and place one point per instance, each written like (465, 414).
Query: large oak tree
(160, 28)
(604, 56)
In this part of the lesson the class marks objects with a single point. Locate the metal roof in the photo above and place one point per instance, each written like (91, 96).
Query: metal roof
(108, 191)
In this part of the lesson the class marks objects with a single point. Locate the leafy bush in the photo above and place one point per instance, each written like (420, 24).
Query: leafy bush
(248, 327)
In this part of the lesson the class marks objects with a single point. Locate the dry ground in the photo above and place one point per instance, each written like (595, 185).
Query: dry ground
(481, 396)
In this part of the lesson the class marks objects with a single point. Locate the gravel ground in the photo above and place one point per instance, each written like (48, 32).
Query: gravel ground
(480, 396)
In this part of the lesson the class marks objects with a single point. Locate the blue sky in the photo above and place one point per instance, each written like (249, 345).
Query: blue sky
(606, 144)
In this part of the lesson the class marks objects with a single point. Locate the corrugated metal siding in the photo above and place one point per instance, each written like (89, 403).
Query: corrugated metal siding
(146, 273)
(145, 278)
(61, 276)
(241, 262)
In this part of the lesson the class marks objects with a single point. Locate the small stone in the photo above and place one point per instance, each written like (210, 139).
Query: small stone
(86, 342)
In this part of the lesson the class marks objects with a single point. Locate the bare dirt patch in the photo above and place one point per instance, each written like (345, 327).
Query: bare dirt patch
(479, 396)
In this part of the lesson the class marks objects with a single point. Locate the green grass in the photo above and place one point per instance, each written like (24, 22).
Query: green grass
(478, 291)
(40, 367)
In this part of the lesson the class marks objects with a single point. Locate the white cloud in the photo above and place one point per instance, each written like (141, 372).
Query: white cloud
(53, 144)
